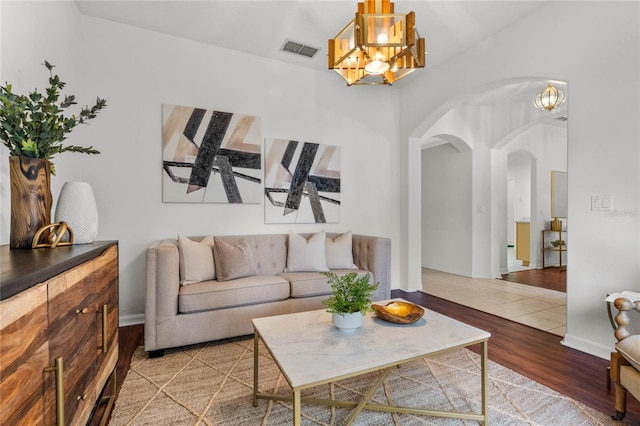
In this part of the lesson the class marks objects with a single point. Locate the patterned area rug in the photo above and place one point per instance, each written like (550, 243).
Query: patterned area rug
(211, 384)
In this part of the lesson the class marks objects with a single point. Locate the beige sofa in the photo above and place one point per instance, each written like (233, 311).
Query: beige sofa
(178, 315)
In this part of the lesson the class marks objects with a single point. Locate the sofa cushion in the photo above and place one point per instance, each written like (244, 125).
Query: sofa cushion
(211, 295)
(196, 260)
(630, 349)
(308, 284)
(233, 260)
(339, 251)
(305, 255)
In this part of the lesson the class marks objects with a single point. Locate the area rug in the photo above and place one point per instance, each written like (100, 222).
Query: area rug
(212, 384)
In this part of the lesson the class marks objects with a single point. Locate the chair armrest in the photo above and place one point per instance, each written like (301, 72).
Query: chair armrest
(622, 319)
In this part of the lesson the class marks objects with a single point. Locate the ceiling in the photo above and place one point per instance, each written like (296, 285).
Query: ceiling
(261, 27)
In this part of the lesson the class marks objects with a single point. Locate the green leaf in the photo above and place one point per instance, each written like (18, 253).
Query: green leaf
(29, 147)
(35, 125)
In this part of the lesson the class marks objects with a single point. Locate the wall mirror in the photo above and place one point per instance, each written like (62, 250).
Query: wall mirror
(559, 199)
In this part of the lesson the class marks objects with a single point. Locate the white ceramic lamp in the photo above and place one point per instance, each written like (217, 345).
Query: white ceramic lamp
(77, 206)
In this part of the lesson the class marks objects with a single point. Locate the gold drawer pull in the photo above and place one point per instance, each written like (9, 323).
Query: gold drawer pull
(58, 369)
(82, 311)
(105, 334)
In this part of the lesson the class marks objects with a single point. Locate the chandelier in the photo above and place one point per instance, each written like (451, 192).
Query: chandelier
(378, 46)
(550, 98)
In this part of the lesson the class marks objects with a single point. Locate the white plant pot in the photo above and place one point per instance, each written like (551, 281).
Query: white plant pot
(347, 323)
(77, 206)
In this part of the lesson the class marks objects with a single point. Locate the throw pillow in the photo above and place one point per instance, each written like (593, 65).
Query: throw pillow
(307, 255)
(196, 260)
(234, 261)
(340, 252)
(630, 350)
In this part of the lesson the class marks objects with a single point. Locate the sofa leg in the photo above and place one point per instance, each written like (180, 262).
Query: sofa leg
(156, 354)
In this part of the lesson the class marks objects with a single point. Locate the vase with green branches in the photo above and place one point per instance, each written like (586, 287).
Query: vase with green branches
(34, 127)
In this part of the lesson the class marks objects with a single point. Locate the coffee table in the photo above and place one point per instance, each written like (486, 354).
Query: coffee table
(310, 351)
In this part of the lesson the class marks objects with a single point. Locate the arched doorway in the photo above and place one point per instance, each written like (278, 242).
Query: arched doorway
(495, 125)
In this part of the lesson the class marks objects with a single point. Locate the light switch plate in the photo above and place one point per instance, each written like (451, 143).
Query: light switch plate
(601, 202)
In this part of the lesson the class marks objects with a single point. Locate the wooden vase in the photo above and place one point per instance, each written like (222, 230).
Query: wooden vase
(31, 198)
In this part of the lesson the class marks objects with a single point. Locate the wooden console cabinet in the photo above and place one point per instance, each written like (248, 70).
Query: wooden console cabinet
(58, 332)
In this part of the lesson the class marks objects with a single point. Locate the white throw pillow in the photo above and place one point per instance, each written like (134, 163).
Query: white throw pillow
(340, 252)
(196, 260)
(307, 255)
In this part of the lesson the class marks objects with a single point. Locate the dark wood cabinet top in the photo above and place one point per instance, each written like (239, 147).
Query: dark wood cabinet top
(21, 269)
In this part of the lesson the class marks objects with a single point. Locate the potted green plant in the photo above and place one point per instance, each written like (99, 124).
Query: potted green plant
(557, 243)
(33, 127)
(350, 299)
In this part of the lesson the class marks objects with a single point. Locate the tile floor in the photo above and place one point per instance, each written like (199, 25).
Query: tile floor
(534, 306)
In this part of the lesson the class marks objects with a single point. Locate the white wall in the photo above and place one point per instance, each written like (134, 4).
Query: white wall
(519, 169)
(446, 209)
(596, 50)
(24, 48)
(138, 70)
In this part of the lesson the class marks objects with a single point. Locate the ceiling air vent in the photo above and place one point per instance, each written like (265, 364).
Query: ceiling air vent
(299, 48)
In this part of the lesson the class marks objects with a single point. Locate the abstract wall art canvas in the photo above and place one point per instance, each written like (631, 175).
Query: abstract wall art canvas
(210, 156)
(302, 182)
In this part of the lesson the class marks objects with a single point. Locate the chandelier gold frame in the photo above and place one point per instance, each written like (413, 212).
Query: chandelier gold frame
(378, 46)
(550, 98)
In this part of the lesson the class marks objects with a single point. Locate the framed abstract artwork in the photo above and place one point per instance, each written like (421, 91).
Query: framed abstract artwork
(210, 156)
(302, 182)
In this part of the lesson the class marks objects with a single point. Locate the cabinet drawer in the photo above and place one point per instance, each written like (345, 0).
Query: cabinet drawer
(24, 353)
(73, 321)
(106, 278)
(72, 312)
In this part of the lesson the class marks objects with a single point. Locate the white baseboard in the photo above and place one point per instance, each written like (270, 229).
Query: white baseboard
(588, 346)
(133, 319)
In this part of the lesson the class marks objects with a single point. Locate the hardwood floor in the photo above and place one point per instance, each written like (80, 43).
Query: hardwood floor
(549, 278)
(533, 353)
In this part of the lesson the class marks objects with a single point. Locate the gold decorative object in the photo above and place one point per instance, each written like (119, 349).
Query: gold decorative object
(550, 98)
(378, 46)
(52, 235)
(399, 312)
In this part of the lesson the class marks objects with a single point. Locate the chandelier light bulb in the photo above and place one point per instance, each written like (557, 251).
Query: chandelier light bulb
(376, 67)
(382, 38)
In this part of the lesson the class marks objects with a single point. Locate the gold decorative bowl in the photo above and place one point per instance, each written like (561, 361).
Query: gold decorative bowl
(399, 312)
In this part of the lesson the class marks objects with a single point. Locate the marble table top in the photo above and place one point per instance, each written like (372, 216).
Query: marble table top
(311, 351)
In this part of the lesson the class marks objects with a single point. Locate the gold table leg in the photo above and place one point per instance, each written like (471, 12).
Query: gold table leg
(364, 404)
(296, 407)
(255, 368)
(484, 381)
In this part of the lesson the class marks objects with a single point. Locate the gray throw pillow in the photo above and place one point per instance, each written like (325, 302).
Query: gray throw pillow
(233, 261)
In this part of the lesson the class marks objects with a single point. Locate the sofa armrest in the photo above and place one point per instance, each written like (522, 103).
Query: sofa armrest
(162, 286)
(374, 254)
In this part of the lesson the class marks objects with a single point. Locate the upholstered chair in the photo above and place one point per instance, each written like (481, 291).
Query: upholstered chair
(625, 361)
